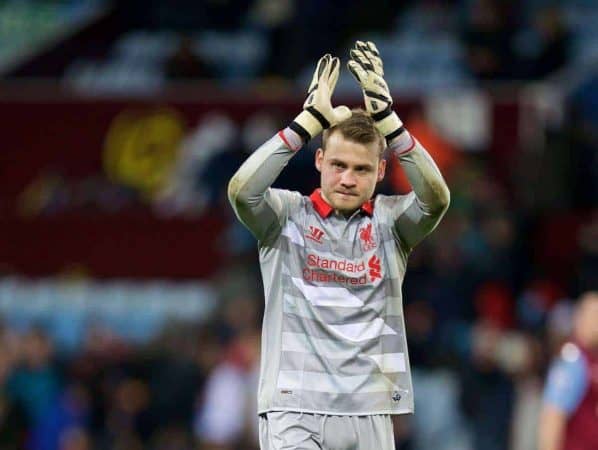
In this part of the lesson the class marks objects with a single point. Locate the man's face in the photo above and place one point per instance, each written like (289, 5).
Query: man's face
(587, 320)
(349, 172)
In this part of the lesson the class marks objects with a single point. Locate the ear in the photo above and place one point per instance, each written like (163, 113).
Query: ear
(319, 159)
(381, 170)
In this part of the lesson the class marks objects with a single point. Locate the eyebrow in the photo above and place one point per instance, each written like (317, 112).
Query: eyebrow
(358, 166)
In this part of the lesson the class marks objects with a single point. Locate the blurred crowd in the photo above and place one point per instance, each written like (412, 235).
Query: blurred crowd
(141, 46)
(488, 301)
(488, 297)
(501, 40)
(113, 394)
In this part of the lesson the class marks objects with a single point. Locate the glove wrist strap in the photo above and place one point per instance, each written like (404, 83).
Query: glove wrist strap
(319, 117)
(394, 134)
(302, 132)
(381, 115)
(307, 125)
(391, 126)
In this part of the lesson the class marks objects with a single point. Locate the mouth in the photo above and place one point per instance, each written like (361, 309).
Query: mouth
(346, 194)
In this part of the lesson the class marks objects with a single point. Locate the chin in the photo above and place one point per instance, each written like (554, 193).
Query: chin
(346, 206)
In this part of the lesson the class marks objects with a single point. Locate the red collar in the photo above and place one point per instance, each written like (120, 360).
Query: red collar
(324, 209)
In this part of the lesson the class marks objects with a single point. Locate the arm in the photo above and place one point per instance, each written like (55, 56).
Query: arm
(430, 198)
(551, 428)
(565, 388)
(261, 209)
(258, 207)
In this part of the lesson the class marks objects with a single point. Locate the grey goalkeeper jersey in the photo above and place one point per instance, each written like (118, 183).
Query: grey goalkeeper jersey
(333, 337)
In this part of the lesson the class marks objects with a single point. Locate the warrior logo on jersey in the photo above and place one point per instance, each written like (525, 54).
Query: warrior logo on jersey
(367, 238)
(315, 234)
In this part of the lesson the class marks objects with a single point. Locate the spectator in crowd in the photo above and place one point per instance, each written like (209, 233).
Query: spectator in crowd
(226, 415)
(588, 261)
(488, 38)
(185, 63)
(35, 383)
(581, 134)
(570, 411)
(554, 43)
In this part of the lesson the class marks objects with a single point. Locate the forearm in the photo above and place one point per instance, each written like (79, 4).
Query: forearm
(257, 206)
(416, 214)
(551, 429)
(430, 197)
(431, 190)
(259, 171)
(248, 186)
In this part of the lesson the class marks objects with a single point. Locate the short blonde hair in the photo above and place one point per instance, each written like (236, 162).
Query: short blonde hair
(359, 128)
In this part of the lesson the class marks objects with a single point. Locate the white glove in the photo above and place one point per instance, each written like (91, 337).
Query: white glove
(318, 112)
(367, 68)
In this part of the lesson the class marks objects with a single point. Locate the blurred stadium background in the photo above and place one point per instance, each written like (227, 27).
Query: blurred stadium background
(130, 297)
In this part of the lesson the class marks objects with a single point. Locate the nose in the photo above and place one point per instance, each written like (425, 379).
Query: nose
(348, 179)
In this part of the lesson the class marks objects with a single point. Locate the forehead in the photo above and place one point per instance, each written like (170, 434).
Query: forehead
(340, 148)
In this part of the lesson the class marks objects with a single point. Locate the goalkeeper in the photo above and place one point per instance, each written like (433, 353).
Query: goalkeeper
(334, 362)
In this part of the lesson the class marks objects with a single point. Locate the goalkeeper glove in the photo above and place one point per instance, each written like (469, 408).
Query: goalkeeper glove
(318, 112)
(367, 68)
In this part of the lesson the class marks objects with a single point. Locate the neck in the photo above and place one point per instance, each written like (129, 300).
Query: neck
(346, 214)
(585, 342)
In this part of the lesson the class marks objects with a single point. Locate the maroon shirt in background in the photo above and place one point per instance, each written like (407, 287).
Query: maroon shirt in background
(582, 426)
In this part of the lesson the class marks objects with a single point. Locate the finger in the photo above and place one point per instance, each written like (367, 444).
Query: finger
(360, 45)
(374, 57)
(364, 49)
(341, 113)
(331, 67)
(314, 79)
(335, 67)
(372, 48)
(323, 70)
(378, 67)
(358, 71)
(361, 58)
(320, 69)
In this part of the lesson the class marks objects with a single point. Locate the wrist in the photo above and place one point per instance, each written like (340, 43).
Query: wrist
(291, 139)
(306, 125)
(402, 144)
(390, 126)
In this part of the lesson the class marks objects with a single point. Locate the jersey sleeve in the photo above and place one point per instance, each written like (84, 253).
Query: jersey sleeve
(261, 209)
(566, 383)
(416, 214)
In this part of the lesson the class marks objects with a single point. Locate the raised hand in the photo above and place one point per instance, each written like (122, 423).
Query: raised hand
(318, 112)
(367, 68)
